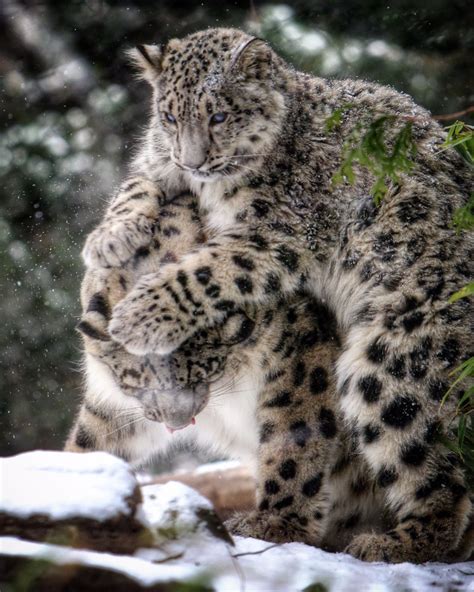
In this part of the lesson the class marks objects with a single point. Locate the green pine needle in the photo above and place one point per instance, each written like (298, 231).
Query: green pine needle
(367, 146)
(463, 218)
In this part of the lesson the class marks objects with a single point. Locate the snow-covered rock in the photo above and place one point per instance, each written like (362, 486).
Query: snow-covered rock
(63, 485)
(88, 500)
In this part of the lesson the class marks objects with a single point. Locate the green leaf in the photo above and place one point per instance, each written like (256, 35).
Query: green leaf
(335, 119)
(463, 445)
(462, 431)
(460, 136)
(465, 370)
(462, 293)
(467, 399)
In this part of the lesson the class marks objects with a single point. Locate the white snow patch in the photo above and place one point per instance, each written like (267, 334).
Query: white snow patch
(250, 565)
(144, 572)
(262, 568)
(279, 568)
(65, 484)
(172, 504)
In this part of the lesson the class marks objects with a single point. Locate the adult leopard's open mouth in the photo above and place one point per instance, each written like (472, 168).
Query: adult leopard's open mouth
(171, 430)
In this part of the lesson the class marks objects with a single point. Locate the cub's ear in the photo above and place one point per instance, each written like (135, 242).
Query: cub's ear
(253, 58)
(148, 61)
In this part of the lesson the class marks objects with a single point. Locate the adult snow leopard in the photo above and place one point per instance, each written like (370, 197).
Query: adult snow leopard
(232, 382)
(246, 133)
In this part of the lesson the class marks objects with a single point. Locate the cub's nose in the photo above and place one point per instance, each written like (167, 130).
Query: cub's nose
(153, 414)
(191, 165)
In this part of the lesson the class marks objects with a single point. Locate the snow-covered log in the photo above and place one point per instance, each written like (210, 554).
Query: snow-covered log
(230, 486)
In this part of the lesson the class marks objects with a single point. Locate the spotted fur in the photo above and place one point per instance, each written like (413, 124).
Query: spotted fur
(276, 225)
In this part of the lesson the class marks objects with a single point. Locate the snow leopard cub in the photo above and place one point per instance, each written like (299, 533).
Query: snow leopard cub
(246, 133)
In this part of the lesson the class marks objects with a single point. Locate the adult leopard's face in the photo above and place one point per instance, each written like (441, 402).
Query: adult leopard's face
(196, 365)
(174, 389)
(216, 108)
(190, 371)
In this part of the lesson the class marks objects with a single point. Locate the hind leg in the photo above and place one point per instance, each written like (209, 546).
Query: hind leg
(356, 504)
(391, 383)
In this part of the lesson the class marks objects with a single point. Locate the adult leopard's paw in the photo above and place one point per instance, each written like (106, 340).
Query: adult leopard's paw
(267, 527)
(151, 320)
(377, 547)
(113, 243)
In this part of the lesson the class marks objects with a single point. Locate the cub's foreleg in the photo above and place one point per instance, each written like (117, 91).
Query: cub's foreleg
(128, 224)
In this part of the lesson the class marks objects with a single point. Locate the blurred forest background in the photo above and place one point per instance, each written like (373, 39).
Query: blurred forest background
(70, 111)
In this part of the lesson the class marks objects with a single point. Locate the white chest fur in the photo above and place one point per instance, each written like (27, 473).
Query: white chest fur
(228, 425)
(221, 213)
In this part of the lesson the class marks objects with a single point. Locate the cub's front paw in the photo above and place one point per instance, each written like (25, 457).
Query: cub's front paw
(151, 318)
(112, 244)
(268, 527)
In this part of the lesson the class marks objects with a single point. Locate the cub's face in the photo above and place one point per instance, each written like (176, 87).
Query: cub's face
(215, 108)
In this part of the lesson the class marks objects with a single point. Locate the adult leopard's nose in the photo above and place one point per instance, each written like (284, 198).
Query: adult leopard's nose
(153, 414)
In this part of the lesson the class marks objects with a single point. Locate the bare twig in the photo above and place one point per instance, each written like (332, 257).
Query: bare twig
(169, 558)
(259, 552)
(254, 15)
(240, 572)
(449, 116)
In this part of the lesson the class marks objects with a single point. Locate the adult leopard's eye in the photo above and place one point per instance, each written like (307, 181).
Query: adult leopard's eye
(169, 117)
(217, 118)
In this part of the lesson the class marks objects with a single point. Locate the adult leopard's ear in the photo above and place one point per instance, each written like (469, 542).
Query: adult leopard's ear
(253, 58)
(237, 328)
(148, 60)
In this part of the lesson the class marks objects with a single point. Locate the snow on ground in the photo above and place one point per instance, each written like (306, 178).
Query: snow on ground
(140, 570)
(245, 568)
(65, 485)
(95, 485)
(248, 566)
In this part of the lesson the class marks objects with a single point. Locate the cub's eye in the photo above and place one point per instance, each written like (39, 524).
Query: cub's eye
(217, 118)
(169, 117)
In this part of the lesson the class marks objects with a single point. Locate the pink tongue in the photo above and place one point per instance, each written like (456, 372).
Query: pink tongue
(172, 430)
